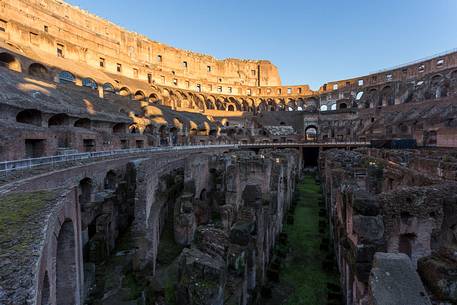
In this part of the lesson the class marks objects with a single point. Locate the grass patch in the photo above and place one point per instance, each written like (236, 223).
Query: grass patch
(20, 218)
(303, 268)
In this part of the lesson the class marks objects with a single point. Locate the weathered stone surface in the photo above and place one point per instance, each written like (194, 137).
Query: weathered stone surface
(201, 279)
(439, 272)
(393, 281)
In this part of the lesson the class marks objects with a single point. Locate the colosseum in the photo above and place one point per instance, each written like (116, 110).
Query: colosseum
(136, 173)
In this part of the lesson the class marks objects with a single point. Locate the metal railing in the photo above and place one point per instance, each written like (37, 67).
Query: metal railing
(33, 162)
(417, 61)
(7, 166)
(306, 144)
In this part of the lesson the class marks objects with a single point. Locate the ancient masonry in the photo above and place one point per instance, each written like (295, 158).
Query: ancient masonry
(132, 172)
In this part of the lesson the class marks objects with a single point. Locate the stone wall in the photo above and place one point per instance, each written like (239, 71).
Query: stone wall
(376, 205)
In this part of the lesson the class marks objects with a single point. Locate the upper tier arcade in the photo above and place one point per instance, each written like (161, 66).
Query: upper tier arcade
(55, 27)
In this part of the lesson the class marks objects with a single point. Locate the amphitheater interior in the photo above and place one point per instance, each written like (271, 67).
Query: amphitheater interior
(133, 172)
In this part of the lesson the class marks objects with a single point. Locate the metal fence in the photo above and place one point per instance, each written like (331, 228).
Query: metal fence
(33, 162)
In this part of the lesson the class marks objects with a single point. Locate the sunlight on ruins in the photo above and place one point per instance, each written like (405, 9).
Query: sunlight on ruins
(136, 173)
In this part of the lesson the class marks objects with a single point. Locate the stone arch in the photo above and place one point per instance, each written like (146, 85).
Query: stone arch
(371, 98)
(245, 104)
(134, 128)
(203, 195)
(291, 105)
(387, 97)
(210, 102)
(193, 128)
(66, 280)
(90, 83)
(163, 133)
(9, 61)
(66, 77)
(312, 103)
(199, 102)
(124, 91)
(30, 116)
(60, 119)
(300, 103)
(230, 107)
(324, 108)
(438, 87)
(83, 123)
(271, 105)
(311, 133)
(178, 124)
(220, 103)
(38, 70)
(108, 89)
(236, 103)
(110, 181)
(204, 128)
(150, 129)
(85, 190)
(436, 78)
(343, 105)
(153, 97)
(120, 128)
(281, 104)
(140, 96)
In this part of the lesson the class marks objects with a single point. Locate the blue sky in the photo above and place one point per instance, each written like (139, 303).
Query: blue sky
(311, 42)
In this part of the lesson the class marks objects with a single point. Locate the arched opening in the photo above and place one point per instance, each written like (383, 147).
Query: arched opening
(29, 116)
(153, 98)
(83, 123)
(220, 104)
(174, 135)
(124, 91)
(359, 96)
(108, 89)
(66, 284)
(387, 97)
(9, 61)
(133, 128)
(38, 70)
(90, 83)
(343, 106)
(291, 105)
(45, 290)
(120, 128)
(150, 129)
(110, 181)
(140, 96)
(60, 119)
(66, 77)
(311, 133)
(231, 108)
(333, 107)
(203, 195)
(85, 190)
(324, 108)
(163, 132)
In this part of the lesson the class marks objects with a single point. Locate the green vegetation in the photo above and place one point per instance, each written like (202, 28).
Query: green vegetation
(303, 268)
(20, 218)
